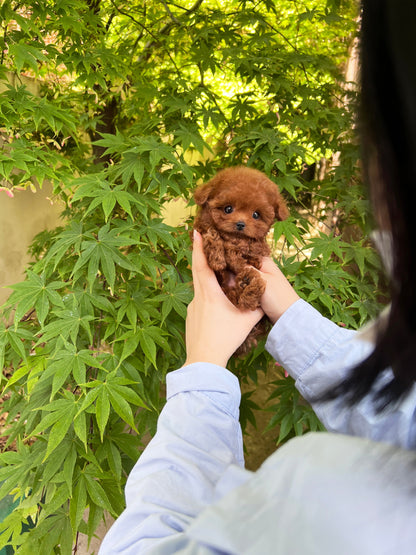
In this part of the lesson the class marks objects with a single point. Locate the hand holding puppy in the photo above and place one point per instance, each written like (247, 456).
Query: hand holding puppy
(215, 328)
(279, 295)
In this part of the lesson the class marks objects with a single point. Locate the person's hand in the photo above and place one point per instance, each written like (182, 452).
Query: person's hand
(279, 294)
(215, 328)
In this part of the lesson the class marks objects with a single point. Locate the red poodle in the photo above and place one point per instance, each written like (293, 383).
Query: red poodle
(237, 209)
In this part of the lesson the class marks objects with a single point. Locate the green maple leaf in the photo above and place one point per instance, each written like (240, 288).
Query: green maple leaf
(103, 251)
(35, 293)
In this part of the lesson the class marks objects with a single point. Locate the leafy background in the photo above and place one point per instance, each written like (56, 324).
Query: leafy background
(137, 103)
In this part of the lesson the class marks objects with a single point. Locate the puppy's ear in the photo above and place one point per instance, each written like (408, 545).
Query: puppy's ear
(202, 193)
(280, 208)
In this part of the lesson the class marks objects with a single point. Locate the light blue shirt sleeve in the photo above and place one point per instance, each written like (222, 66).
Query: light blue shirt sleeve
(195, 458)
(318, 354)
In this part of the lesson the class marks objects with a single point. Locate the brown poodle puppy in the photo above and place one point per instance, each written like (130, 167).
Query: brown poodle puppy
(237, 209)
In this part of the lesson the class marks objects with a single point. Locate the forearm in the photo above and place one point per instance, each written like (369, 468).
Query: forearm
(318, 355)
(197, 439)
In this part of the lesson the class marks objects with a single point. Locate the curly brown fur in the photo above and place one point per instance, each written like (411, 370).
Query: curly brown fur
(237, 209)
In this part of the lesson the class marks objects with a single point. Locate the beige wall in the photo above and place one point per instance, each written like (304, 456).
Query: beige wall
(25, 215)
(176, 211)
(21, 218)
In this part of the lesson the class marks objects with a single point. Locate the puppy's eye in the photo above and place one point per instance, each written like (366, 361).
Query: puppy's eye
(256, 215)
(228, 209)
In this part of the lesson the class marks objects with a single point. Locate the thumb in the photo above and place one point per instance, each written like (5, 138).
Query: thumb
(199, 261)
(203, 276)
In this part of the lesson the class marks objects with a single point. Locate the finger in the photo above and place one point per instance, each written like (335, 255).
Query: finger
(199, 261)
(203, 276)
(268, 266)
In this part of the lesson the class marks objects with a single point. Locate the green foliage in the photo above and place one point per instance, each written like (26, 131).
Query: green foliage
(292, 414)
(162, 96)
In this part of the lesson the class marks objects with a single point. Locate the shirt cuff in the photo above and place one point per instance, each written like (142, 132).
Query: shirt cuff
(297, 338)
(205, 377)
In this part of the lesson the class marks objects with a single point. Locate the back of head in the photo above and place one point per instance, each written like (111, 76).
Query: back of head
(388, 130)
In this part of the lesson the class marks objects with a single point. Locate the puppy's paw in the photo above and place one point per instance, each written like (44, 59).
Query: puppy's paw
(215, 261)
(249, 288)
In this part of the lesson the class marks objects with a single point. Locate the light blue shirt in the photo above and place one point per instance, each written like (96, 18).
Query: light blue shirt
(324, 493)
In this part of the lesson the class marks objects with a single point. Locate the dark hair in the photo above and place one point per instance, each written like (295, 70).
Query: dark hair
(387, 122)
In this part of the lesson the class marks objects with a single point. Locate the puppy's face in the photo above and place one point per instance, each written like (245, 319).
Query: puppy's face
(241, 201)
(240, 212)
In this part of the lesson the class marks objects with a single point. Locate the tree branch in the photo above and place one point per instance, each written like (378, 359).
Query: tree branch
(166, 30)
(170, 14)
(110, 20)
(194, 7)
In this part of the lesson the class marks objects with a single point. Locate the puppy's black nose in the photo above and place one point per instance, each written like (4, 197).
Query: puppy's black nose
(240, 226)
